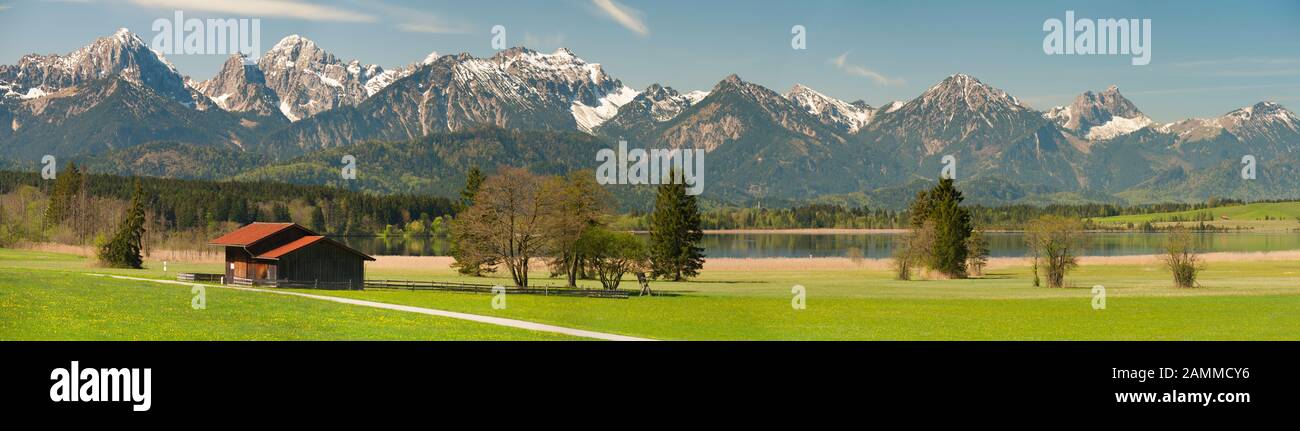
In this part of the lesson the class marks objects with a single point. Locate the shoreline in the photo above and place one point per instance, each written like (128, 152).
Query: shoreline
(795, 264)
(783, 264)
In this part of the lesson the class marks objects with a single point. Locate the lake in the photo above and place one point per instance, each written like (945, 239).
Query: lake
(880, 245)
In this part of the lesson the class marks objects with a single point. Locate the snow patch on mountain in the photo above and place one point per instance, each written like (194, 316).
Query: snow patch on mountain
(590, 117)
(312, 80)
(287, 111)
(121, 54)
(696, 96)
(1117, 126)
(831, 111)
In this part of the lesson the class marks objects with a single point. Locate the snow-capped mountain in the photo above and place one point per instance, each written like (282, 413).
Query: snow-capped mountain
(958, 109)
(593, 95)
(115, 94)
(654, 105)
(120, 54)
(309, 80)
(849, 117)
(735, 108)
(241, 87)
(1099, 116)
(1263, 122)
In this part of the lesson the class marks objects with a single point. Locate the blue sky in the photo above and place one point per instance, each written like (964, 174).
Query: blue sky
(1207, 57)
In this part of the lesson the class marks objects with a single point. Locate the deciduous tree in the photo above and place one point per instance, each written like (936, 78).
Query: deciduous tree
(1054, 241)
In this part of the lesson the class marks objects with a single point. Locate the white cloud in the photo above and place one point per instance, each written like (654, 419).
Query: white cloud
(842, 63)
(264, 8)
(413, 20)
(625, 16)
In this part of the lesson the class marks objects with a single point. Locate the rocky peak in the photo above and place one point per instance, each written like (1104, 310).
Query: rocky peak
(309, 80)
(1103, 115)
(848, 117)
(120, 54)
(241, 87)
(965, 92)
(1263, 120)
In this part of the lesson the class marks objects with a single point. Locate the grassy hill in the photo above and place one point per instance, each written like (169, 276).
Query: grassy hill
(1273, 215)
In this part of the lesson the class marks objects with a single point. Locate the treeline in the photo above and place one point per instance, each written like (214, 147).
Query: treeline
(816, 216)
(194, 204)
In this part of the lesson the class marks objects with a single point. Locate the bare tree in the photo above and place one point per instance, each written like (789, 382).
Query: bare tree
(1181, 257)
(977, 252)
(506, 222)
(913, 249)
(1054, 240)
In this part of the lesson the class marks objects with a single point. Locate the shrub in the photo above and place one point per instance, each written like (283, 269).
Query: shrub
(1181, 257)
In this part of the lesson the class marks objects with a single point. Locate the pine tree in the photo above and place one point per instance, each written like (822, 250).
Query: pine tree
(123, 250)
(317, 220)
(473, 181)
(464, 262)
(280, 213)
(675, 234)
(66, 188)
(952, 228)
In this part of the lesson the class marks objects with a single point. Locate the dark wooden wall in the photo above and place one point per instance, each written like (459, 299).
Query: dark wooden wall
(323, 261)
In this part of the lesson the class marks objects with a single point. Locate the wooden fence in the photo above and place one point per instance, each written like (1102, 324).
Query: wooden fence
(488, 288)
(191, 276)
(410, 285)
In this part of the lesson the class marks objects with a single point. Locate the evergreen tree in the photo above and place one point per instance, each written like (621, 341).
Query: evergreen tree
(66, 189)
(675, 234)
(473, 181)
(952, 228)
(280, 213)
(317, 220)
(123, 249)
(465, 263)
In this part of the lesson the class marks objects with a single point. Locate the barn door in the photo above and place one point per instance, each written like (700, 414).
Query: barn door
(241, 269)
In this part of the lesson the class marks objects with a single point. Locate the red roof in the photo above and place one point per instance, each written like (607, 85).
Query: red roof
(258, 231)
(250, 234)
(290, 247)
(305, 241)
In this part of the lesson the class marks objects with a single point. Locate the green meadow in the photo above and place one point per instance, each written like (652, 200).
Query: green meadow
(49, 296)
(1262, 216)
(39, 302)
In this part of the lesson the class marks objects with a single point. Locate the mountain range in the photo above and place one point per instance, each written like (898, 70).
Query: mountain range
(290, 114)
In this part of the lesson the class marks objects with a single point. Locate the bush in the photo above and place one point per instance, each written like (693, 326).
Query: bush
(1181, 257)
(613, 254)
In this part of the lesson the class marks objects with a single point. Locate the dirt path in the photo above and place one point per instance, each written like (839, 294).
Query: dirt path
(499, 321)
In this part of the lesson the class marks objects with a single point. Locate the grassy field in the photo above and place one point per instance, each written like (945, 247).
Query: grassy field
(45, 296)
(1260, 216)
(49, 304)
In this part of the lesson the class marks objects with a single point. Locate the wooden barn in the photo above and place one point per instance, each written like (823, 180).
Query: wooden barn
(287, 254)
